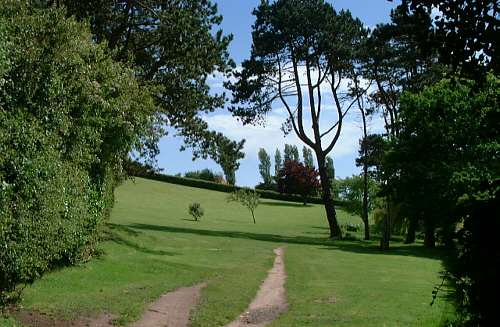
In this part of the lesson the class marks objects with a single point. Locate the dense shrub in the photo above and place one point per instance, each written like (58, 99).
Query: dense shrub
(267, 187)
(68, 115)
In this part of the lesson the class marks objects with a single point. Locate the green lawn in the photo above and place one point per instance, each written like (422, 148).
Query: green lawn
(153, 246)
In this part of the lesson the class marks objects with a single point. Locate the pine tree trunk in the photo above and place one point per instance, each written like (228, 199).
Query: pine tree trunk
(365, 202)
(386, 229)
(326, 190)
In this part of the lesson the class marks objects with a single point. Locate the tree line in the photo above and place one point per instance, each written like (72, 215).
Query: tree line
(431, 73)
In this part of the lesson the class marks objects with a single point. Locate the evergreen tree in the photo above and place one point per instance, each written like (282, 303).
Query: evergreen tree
(277, 162)
(265, 167)
(308, 157)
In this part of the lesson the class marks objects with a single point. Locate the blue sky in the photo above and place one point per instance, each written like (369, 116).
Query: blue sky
(238, 21)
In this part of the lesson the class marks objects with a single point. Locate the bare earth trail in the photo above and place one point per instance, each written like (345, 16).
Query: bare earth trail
(171, 309)
(270, 301)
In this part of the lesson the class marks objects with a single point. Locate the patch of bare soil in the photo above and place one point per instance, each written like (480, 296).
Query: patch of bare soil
(270, 301)
(171, 309)
(37, 319)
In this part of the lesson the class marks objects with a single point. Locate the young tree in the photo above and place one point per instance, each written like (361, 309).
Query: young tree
(308, 157)
(247, 198)
(301, 49)
(277, 162)
(196, 211)
(265, 167)
(352, 191)
(295, 178)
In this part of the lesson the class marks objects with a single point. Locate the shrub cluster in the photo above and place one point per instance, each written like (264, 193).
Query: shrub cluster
(196, 211)
(68, 114)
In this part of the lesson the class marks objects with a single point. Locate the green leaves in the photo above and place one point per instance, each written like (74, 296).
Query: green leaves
(69, 114)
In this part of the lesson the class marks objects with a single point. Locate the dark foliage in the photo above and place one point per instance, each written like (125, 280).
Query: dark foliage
(295, 178)
(476, 270)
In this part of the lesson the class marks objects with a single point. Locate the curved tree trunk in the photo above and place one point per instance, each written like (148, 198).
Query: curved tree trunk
(326, 191)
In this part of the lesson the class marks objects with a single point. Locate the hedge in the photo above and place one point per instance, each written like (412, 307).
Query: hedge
(198, 183)
(68, 115)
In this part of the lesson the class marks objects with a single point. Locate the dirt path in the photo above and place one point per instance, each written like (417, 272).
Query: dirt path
(37, 319)
(270, 300)
(171, 309)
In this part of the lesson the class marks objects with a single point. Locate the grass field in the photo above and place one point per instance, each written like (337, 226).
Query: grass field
(154, 246)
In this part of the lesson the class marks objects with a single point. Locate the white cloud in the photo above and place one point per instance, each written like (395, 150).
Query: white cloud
(271, 137)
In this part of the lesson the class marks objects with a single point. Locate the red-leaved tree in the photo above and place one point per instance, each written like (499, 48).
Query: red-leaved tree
(295, 178)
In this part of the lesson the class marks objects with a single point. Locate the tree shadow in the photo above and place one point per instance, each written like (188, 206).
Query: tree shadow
(112, 234)
(354, 246)
(285, 204)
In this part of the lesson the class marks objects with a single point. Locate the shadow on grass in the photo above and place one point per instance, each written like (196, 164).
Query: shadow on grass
(354, 246)
(112, 234)
(284, 204)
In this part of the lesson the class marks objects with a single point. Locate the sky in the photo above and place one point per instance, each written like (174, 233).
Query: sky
(238, 20)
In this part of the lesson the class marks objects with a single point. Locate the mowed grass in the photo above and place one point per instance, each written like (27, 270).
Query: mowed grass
(154, 246)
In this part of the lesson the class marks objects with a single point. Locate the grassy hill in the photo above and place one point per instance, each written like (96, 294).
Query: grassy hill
(154, 246)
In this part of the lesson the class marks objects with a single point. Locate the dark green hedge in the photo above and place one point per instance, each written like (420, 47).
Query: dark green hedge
(68, 115)
(227, 188)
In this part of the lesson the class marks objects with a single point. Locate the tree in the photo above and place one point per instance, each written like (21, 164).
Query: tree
(173, 47)
(330, 168)
(277, 162)
(308, 157)
(247, 198)
(466, 33)
(372, 151)
(288, 153)
(265, 167)
(300, 49)
(455, 163)
(352, 191)
(295, 153)
(295, 178)
(227, 154)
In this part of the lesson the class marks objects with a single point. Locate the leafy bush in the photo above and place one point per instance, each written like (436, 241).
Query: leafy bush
(352, 227)
(196, 211)
(267, 187)
(68, 115)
